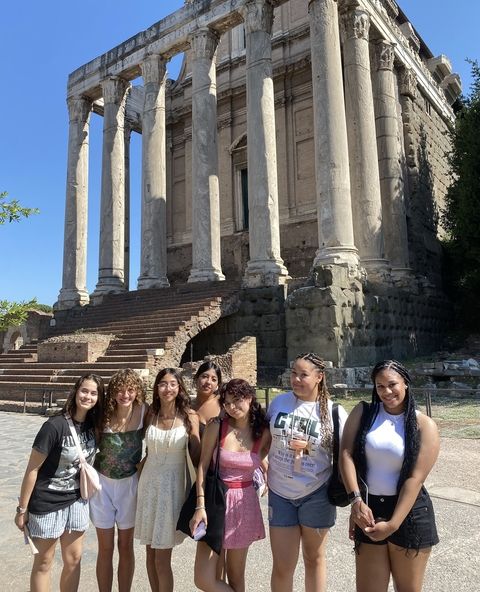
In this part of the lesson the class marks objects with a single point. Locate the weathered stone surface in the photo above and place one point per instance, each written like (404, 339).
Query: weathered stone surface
(84, 347)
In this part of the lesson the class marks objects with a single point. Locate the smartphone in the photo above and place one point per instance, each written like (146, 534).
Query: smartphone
(200, 531)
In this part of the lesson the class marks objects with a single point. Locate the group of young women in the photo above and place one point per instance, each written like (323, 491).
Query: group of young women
(387, 451)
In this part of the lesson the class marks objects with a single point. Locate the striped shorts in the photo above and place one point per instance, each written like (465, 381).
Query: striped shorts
(54, 524)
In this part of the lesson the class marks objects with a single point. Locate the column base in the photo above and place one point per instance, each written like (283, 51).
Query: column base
(337, 256)
(205, 275)
(144, 283)
(68, 298)
(265, 273)
(110, 285)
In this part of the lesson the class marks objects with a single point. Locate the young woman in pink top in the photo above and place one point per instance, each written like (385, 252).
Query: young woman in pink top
(244, 443)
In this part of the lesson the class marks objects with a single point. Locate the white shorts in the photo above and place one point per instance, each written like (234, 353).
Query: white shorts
(115, 503)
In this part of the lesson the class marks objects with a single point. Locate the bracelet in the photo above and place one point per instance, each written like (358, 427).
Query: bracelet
(355, 500)
(200, 508)
(200, 496)
(20, 510)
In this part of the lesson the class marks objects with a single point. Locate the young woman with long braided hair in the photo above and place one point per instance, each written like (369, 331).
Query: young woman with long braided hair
(388, 449)
(300, 466)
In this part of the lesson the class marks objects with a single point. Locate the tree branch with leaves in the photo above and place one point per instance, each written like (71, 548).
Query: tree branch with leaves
(13, 211)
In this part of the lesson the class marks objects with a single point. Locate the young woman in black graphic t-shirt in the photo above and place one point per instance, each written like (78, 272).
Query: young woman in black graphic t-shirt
(50, 504)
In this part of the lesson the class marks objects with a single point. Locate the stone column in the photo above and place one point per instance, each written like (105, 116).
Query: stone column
(74, 284)
(153, 259)
(265, 267)
(334, 206)
(112, 209)
(206, 258)
(389, 160)
(126, 247)
(362, 141)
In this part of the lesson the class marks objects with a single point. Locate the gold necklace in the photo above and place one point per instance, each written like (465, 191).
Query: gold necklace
(122, 427)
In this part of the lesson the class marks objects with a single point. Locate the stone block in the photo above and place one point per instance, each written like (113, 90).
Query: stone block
(85, 347)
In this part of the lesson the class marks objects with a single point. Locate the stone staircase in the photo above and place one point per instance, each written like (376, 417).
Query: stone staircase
(151, 328)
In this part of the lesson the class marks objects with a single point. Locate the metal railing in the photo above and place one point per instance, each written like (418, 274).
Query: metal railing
(427, 393)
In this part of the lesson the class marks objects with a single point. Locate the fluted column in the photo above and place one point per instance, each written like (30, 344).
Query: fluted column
(112, 209)
(206, 258)
(126, 246)
(153, 259)
(265, 266)
(74, 282)
(362, 143)
(389, 160)
(334, 206)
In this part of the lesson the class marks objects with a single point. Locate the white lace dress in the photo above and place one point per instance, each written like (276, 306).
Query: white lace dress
(161, 489)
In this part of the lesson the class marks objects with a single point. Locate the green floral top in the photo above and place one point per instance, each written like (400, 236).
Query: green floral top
(120, 452)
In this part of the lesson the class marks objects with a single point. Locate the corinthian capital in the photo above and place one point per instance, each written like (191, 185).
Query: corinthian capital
(114, 89)
(385, 54)
(258, 16)
(79, 108)
(204, 43)
(408, 83)
(355, 23)
(154, 68)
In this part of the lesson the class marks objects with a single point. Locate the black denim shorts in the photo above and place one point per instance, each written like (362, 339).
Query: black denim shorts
(417, 531)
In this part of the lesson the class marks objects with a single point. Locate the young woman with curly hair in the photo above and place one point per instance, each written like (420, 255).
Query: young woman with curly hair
(120, 451)
(243, 440)
(50, 504)
(388, 449)
(172, 428)
(299, 469)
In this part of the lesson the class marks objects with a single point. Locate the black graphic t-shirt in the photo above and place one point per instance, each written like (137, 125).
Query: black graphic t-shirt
(57, 484)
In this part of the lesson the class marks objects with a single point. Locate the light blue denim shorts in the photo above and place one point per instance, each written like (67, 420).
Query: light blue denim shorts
(54, 524)
(314, 510)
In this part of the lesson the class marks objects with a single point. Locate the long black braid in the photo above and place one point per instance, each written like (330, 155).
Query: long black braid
(322, 399)
(412, 434)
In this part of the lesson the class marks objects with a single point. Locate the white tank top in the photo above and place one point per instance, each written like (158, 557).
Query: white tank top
(384, 449)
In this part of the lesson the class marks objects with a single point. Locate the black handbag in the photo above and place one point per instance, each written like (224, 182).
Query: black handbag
(337, 494)
(215, 490)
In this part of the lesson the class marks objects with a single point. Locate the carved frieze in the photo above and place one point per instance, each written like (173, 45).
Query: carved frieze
(258, 16)
(204, 43)
(355, 23)
(79, 108)
(391, 7)
(385, 54)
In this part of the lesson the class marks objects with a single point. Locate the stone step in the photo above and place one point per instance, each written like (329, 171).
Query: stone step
(131, 360)
(79, 367)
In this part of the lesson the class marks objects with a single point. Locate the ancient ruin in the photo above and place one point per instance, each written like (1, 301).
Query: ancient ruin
(301, 152)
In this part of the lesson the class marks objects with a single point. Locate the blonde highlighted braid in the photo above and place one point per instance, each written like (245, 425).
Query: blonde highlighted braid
(322, 399)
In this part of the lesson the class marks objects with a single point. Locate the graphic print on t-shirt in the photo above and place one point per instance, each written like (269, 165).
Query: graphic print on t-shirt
(66, 472)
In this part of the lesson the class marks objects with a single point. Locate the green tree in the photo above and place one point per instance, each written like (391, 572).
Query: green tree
(461, 216)
(12, 211)
(13, 314)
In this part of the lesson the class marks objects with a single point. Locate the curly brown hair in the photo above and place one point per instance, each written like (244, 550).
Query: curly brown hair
(182, 400)
(126, 379)
(322, 398)
(240, 389)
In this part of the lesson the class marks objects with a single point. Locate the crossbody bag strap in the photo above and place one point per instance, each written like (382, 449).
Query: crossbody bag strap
(75, 438)
(219, 444)
(336, 430)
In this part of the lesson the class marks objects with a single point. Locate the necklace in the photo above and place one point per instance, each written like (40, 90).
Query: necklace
(168, 439)
(240, 435)
(122, 426)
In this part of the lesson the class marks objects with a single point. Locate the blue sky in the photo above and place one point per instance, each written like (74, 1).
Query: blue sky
(41, 43)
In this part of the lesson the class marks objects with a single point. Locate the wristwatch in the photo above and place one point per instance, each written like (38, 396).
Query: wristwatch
(20, 510)
(353, 496)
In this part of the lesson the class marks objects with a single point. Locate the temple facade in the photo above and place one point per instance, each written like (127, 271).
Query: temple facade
(301, 149)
